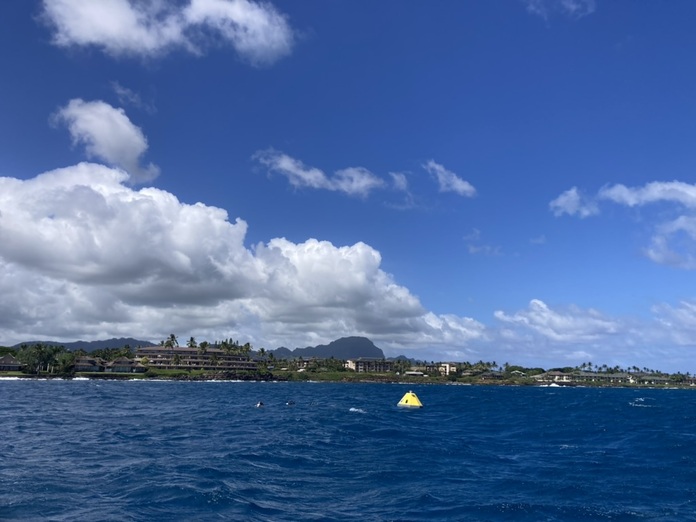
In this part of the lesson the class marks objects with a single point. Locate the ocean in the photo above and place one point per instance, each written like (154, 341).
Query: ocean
(142, 450)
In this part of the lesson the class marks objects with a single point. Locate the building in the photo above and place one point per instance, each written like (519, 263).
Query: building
(581, 377)
(369, 364)
(89, 364)
(9, 363)
(447, 369)
(125, 365)
(184, 358)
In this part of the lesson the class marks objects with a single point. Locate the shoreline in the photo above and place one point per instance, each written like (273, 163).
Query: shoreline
(377, 379)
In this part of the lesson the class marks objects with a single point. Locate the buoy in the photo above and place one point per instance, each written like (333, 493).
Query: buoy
(410, 400)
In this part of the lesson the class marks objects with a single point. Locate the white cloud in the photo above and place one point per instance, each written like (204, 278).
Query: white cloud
(573, 203)
(399, 181)
(571, 326)
(127, 96)
(673, 241)
(486, 250)
(257, 31)
(540, 335)
(108, 135)
(85, 256)
(354, 181)
(657, 191)
(475, 247)
(448, 181)
(678, 323)
(570, 8)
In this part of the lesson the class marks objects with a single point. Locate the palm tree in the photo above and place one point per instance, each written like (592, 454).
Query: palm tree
(191, 343)
(171, 341)
(65, 361)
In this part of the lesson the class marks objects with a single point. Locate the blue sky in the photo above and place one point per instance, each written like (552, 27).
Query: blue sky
(508, 181)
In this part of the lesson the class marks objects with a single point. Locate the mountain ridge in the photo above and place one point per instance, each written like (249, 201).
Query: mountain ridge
(351, 347)
(90, 346)
(343, 348)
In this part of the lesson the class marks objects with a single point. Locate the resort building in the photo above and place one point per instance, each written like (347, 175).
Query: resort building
(119, 365)
(447, 368)
(184, 358)
(369, 364)
(89, 364)
(580, 377)
(125, 365)
(9, 363)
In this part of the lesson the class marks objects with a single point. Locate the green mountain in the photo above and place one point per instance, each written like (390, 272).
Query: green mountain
(344, 348)
(90, 346)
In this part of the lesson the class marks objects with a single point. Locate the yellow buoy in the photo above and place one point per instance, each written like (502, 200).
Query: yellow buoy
(410, 400)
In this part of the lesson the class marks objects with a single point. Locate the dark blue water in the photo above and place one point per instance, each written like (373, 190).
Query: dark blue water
(88, 450)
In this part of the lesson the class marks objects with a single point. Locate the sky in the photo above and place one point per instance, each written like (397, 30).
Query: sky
(508, 181)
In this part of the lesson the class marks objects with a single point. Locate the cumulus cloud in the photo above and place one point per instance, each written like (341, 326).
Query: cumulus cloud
(84, 255)
(547, 336)
(258, 31)
(570, 8)
(571, 326)
(573, 203)
(354, 181)
(108, 135)
(448, 181)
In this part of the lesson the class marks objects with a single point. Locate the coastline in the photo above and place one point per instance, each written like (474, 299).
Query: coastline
(319, 378)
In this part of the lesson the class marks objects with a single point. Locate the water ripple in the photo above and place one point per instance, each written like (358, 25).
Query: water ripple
(81, 450)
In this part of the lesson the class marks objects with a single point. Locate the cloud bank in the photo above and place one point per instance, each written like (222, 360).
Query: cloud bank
(258, 32)
(84, 255)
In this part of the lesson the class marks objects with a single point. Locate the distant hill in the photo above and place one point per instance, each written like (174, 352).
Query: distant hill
(344, 348)
(90, 346)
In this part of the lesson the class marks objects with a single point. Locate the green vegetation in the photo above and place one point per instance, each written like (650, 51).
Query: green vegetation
(48, 360)
(4, 350)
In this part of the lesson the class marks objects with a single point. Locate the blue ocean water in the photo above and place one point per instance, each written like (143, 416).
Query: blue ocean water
(108, 450)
